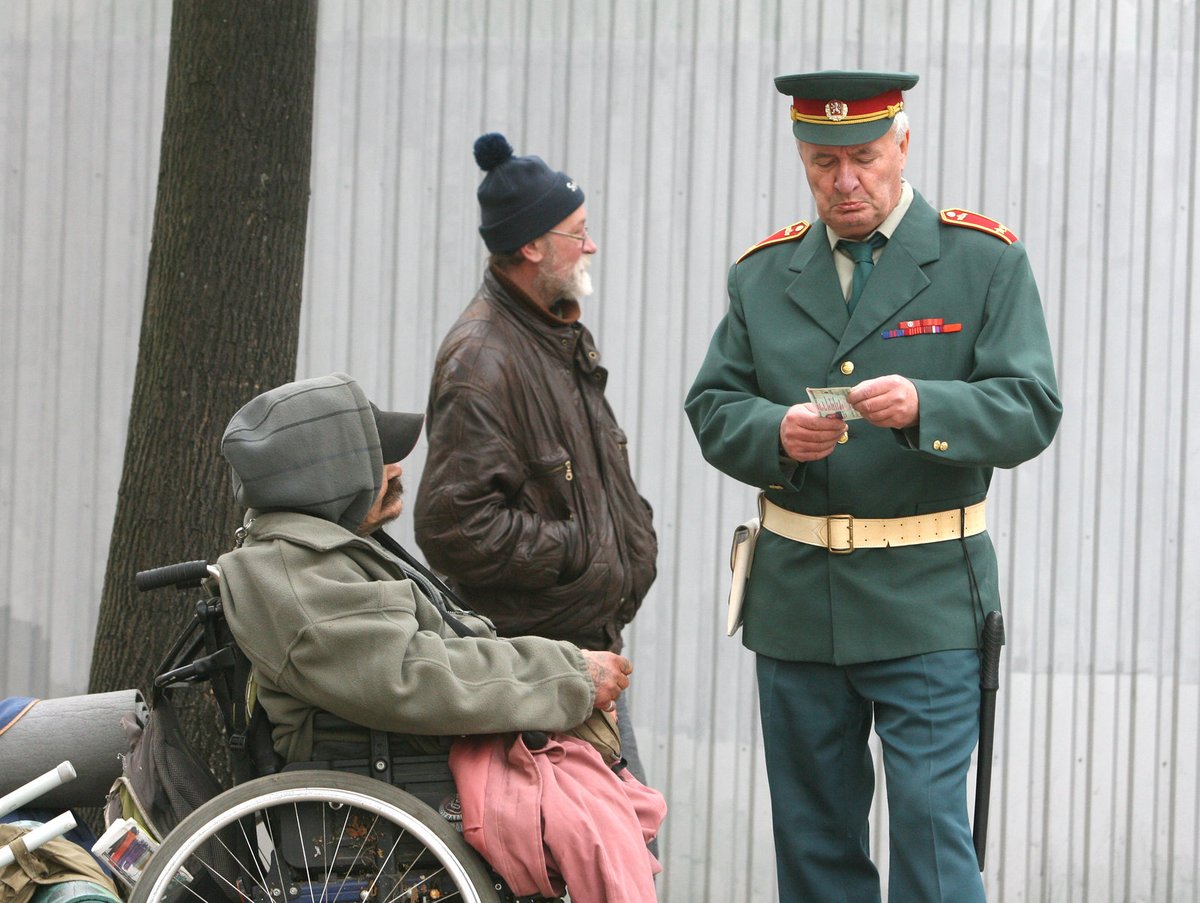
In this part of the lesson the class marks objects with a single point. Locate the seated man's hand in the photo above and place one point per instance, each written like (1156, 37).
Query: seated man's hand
(610, 675)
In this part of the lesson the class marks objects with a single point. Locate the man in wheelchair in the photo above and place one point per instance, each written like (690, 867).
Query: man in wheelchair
(346, 632)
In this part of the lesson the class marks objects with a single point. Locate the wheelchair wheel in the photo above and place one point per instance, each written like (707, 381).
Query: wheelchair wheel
(309, 836)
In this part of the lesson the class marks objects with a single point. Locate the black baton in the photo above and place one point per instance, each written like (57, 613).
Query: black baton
(989, 683)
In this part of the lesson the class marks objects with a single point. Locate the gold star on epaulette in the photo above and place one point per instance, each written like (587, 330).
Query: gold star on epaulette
(787, 233)
(956, 216)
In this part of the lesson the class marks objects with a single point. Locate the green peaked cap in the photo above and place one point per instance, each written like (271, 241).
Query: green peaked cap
(844, 108)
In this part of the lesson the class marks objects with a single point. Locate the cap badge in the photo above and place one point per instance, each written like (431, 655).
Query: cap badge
(836, 110)
(571, 186)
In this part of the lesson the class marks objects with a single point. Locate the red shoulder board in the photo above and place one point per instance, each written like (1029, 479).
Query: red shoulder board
(953, 216)
(787, 233)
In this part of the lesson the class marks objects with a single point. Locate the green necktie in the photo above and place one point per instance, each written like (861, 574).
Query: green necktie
(861, 253)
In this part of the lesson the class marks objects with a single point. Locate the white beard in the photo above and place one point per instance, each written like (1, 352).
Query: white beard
(581, 279)
(573, 285)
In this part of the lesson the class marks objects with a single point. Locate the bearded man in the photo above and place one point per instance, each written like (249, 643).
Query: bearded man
(527, 504)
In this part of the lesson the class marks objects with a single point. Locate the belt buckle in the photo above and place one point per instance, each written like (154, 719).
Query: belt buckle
(849, 519)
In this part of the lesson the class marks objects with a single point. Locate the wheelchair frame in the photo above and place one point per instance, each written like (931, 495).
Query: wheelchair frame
(308, 835)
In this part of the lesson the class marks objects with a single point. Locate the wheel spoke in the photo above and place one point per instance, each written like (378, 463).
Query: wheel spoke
(280, 835)
(337, 849)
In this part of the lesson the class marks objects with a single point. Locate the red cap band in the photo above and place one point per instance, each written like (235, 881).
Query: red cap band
(847, 112)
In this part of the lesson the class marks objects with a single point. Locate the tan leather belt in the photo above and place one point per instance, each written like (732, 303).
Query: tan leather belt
(843, 533)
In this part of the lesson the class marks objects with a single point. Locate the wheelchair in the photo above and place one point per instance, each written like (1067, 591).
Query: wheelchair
(374, 827)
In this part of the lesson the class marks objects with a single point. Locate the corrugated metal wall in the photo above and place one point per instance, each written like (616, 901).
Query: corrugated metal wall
(80, 118)
(1075, 124)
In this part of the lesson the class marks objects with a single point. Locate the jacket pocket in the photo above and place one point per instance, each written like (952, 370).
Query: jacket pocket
(622, 443)
(577, 611)
(548, 490)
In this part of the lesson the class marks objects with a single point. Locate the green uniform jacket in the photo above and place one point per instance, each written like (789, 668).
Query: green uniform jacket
(988, 398)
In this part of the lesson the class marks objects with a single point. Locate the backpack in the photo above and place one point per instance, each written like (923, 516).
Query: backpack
(162, 779)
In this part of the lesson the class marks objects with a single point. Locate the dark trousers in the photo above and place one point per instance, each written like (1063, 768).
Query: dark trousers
(816, 720)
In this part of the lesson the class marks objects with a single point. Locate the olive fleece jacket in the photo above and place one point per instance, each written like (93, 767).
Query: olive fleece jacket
(331, 623)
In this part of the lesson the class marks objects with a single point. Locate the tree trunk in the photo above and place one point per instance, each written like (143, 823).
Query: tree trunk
(222, 309)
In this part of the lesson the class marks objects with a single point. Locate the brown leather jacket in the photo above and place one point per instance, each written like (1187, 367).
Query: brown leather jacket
(527, 503)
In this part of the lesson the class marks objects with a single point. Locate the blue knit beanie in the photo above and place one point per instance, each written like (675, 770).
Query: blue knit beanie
(520, 198)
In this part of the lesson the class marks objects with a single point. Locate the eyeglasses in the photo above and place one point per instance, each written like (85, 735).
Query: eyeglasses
(582, 236)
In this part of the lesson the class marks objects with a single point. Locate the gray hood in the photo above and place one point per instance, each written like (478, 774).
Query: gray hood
(309, 446)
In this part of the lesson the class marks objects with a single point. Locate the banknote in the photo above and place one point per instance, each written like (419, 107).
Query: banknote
(831, 402)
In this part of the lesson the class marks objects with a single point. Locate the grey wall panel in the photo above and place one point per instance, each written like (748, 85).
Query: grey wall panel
(1074, 124)
(81, 105)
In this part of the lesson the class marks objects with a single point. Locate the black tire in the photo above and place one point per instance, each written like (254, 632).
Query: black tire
(357, 833)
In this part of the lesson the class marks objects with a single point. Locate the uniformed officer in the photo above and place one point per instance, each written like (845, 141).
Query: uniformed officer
(874, 571)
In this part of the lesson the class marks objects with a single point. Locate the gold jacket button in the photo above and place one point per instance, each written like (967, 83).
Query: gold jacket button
(847, 367)
(940, 445)
(844, 438)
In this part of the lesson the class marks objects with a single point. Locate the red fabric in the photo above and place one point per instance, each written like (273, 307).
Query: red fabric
(855, 109)
(558, 815)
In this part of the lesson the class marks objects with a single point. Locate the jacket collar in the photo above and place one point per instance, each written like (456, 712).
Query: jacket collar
(898, 277)
(303, 529)
(318, 534)
(565, 339)
(564, 312)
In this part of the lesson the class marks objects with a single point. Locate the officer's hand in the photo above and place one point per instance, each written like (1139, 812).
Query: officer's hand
(805, 435)
(610, 675)
(889, 401)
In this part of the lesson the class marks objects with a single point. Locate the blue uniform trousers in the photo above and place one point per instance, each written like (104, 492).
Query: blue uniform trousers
(816, 719)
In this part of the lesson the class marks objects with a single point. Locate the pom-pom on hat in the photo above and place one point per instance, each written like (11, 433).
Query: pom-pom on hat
(520, 198)
(844, 108)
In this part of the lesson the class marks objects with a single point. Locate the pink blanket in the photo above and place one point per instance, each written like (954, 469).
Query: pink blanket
(556, 816)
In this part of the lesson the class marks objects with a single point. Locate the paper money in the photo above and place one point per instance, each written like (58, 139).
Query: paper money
(831, 402)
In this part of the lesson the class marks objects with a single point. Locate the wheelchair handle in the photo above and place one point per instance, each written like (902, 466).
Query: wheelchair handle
(185, 574)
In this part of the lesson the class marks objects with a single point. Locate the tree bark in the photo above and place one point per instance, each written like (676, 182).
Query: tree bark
(222, 309)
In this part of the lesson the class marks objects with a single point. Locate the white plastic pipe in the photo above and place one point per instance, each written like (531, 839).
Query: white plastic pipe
(35, 837)
(55, 777)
